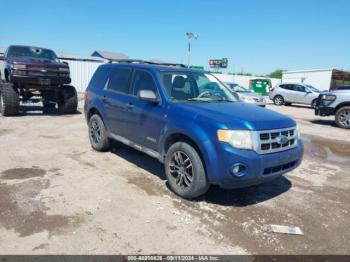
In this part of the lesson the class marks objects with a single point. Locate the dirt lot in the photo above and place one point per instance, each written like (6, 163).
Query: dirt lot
(58, 196)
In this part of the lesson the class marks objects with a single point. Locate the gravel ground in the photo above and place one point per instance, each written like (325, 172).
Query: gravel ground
(58, 196)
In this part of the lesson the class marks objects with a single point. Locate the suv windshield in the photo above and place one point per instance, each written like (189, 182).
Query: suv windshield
(194, 86)
(31, 52)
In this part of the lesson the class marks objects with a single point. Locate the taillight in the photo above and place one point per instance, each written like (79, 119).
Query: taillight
(86, 96)
(271, 89)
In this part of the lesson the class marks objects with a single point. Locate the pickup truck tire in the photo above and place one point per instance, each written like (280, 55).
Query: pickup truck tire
(278, 100)
(98, 134)
(67, 100)
(314, 103)
(48, 105)
(185, 171)
(342, 117)
(9, 100)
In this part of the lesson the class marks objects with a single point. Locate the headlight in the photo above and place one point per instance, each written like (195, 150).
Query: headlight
(329, 97)
(16, 67)
(242, 139)
(63, 69)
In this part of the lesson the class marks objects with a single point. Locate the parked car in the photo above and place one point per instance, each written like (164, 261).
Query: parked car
(192, 123)
(246, 95)
(34, 74)
(335, 103)
(288, 93)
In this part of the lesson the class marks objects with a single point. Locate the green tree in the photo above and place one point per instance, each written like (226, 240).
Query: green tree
(276, 74)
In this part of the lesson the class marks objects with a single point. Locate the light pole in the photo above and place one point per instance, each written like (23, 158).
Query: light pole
(190, 36)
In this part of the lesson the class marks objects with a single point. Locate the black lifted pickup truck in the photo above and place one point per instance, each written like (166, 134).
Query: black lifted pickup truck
(33, 74)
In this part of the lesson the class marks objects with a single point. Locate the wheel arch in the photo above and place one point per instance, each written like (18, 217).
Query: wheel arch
(92, 111)
(341, 105)
(201, 143)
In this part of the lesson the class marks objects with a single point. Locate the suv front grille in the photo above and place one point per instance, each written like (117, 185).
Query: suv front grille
(276, 140)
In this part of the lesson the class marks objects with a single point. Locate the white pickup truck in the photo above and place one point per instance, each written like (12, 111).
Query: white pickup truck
(335, 103)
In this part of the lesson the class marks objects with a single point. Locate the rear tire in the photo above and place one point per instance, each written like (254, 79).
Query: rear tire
(342, 117)
(67, 100)
(98, 134)
(185, 171)
(278, 100)
(9, 100)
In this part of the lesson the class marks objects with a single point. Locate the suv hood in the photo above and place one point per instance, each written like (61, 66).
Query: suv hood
(37, 62)
(236, 115)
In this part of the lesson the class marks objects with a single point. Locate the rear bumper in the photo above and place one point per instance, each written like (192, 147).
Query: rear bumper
(44, 81)
(258, 168)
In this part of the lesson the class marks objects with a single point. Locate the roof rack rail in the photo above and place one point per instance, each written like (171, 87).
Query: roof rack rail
(139, 61)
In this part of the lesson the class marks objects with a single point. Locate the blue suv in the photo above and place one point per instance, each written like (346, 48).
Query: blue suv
(192, 123)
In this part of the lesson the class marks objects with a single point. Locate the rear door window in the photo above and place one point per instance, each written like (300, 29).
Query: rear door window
(119, 80)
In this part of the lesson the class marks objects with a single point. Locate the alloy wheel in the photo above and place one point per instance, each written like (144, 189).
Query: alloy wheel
(278, 100)
(181, 169)
(344, 118)
(95, 132)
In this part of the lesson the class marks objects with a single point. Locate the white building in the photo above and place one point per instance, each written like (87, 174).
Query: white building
(323, 79)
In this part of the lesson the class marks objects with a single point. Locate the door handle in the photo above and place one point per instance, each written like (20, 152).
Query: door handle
(129, 106)
(104, 98)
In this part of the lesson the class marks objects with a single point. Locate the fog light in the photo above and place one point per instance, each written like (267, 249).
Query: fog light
(238, 170)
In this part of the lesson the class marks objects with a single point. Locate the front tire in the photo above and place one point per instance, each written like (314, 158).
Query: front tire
(278, 100)
(9, 100)
(98, 134)
(342, 117)
(185, 171)
(67, 100)
(313, 103)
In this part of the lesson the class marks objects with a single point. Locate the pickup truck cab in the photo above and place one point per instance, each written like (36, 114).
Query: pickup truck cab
(192, 123)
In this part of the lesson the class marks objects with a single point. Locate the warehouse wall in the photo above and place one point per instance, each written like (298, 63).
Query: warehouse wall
(81, 72)
(321, 79)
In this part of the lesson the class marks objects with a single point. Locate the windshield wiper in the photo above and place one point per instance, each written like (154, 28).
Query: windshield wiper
(198, 100)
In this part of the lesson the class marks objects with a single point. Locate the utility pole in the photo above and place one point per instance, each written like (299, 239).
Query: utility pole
(190, 36)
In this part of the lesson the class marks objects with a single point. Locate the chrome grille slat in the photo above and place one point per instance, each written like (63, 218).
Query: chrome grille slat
(268, 142)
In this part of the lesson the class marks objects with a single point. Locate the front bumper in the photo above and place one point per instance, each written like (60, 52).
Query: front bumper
(41, 80)
(258, 168)
(324, 111)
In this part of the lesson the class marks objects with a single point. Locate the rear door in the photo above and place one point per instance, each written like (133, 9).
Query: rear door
(287, 92)
(116, 99)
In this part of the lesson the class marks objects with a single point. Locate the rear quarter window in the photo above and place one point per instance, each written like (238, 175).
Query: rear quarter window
(119, 80)
(99, 79)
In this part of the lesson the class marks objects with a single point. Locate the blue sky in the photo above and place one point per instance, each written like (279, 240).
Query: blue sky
(256, 36)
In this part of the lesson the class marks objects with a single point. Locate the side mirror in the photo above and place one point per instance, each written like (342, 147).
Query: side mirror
(2, 58)
(64, 62)
(148, 95)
